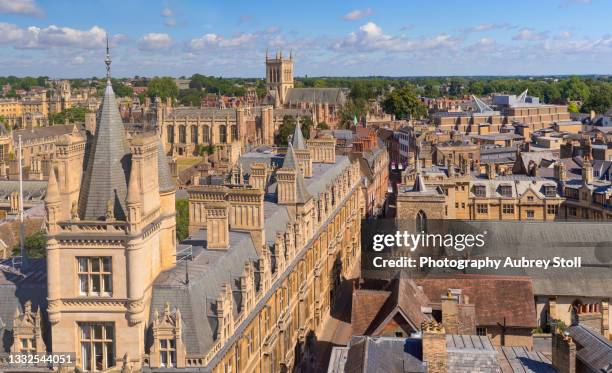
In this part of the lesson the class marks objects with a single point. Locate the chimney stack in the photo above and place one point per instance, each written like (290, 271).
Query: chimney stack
(563, 353)
(217, 225)
(587, 173)
(434, 347)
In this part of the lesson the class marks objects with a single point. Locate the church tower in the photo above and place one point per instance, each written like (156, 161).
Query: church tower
(279, 75)
(106, 247)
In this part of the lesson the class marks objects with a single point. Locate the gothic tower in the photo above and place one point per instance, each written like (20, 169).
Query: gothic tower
(279, 75)
(106, 246)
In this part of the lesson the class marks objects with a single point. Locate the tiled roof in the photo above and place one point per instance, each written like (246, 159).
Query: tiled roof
(494, 297)
(108, 164)
(372, 307)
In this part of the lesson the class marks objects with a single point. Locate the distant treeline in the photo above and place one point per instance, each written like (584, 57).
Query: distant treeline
(592, 92)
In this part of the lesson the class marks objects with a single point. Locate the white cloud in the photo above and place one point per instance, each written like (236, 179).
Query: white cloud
(167, 12)
(10, 33)
(169, 17)
(214, 40)
(529, 34)
(357, 14)
(78, 60)
(25, 7)
(370, 37)
(486, 27)
(486, 41)
(52, 36)
(154, 41)
(565, 35)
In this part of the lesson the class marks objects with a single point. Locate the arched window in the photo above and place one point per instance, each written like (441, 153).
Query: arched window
(182, 134)
(170, 134)
(421, 221)
(194, 135)
(205, 134)
(234, 133)
(222, 134)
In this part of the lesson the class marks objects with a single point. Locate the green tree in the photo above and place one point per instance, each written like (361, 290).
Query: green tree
(575, 89)
(287, 128)
(70, 115)
(208, 149)
(572, 107)
(182, 219)
(323, 126)
(162, 87)
(121, 89)
(600, 99)
(34, 245)
(190, 97)
(404, 104)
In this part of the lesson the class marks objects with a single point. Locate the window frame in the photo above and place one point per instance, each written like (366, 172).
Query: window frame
(104, 277)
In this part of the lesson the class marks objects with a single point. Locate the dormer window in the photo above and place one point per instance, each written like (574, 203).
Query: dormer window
(480, 191)
(505, 190)
(550, 191)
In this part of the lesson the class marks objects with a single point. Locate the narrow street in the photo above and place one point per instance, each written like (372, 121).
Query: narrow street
(336, 330)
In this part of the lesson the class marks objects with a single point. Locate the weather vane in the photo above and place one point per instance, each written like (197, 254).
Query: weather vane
(107, 60)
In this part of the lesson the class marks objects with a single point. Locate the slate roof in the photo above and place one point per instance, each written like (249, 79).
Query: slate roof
(291, 163)
(521, 360)
(206, 113)
(210, 269)
(382, 355)
(49, 131)
(16, 290)
(466, 354)
(594, 351)
(470, 353)
(164, 176)
(332, 96)
(494, 297)
(298, 138)
(108, 164)
(33, 191)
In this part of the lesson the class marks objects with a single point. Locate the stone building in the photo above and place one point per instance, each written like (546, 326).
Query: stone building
(458, 193)
(184, 129)
(267, 252)
(323, 104)
(504, 110)
(246, 291)
(39, 148)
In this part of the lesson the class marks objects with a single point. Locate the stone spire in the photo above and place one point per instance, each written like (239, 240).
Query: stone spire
(108, 162)
(298, 138)
(53, 194)
(419, 182)
(291, 165)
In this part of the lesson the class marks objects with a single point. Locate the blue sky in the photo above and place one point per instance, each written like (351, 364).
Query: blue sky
(63, 38)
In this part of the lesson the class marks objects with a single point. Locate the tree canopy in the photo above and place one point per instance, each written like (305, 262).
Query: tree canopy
(182, 219)
(163, 87)
(70, 115)
(287, 128)
(404, 104)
